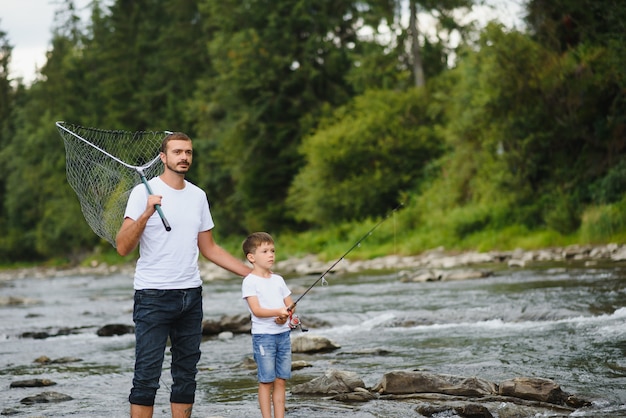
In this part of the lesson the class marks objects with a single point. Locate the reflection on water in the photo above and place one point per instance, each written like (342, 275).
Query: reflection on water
(565, 323)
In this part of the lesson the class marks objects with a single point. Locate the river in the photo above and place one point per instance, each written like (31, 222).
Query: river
(562, 321)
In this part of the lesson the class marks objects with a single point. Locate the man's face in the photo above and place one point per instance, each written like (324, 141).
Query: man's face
(178, 156)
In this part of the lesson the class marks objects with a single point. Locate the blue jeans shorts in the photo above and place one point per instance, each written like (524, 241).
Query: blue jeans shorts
(272, 353)
(159, 314)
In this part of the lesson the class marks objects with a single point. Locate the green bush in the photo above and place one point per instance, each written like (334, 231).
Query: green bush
(605, 223)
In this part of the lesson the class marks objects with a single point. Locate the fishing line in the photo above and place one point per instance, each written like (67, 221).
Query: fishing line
(294, 321)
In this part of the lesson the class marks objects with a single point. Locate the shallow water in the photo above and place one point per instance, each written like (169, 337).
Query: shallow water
(564, 322)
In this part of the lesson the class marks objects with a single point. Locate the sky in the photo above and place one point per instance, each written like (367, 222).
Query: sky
(28, 25)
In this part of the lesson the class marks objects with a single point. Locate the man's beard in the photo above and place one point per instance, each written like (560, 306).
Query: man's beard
(178, 170)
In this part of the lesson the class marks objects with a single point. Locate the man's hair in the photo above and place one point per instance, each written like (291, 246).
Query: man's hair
(172, 137)
(254, 240)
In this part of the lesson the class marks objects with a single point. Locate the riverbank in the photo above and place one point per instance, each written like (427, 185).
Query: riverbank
(437, 258)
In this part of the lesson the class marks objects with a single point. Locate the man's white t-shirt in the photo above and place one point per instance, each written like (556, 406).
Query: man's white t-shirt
(169, 259)
(271, 292)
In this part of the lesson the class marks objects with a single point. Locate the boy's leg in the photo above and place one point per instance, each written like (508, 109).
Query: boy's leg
(278, 398)
(264, 348)
(265, 399)
(283, 372)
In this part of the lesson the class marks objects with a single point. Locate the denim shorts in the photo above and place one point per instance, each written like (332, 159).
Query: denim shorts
(272, 353)
(159, 314)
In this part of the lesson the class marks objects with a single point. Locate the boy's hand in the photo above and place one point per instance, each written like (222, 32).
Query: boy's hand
(282, 317)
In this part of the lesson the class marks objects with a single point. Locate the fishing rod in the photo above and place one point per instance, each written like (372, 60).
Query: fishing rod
(294, 320)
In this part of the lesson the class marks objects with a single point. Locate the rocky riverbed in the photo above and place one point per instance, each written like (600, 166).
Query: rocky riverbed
(434, 261)
(415, 335)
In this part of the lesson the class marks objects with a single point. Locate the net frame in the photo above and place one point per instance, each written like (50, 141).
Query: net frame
(103, 166)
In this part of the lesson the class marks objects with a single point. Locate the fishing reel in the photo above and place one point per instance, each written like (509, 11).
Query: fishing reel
(294, 322)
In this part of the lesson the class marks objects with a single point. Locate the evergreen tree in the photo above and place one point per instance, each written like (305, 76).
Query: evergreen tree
(278, 64)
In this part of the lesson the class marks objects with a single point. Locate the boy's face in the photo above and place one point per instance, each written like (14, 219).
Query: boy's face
(263, 256)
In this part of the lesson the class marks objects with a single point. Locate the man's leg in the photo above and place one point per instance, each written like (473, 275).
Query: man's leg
(140, 411)
(181, 410)
(186, 336)
(151, 319)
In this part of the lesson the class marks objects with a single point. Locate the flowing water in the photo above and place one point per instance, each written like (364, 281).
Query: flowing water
(564, 322)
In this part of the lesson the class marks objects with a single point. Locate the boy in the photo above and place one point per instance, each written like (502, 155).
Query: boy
(268, 297)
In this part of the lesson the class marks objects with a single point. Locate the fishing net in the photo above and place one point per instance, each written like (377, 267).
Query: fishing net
(102, 168)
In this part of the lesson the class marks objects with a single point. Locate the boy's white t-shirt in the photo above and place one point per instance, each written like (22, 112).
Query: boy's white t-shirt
(271, 292)
(169, 259)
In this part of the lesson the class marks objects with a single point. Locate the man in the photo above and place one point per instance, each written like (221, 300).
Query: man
(167, 283)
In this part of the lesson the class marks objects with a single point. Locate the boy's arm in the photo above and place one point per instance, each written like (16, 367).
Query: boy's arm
(260, 312)
(289, 304)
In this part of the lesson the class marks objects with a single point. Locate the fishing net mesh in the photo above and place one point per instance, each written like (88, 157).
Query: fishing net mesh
(103, 166)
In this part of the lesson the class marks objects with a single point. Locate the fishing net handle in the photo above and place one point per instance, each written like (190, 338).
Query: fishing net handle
(166, 224)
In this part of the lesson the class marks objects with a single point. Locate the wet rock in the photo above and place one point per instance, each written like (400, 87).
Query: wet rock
(115, 329)
(225, 335)
(516, 263)
(300, 364)
(32, 383)
(311, 343)
(534, 389)
(46, 397)
(248, 363)
(402, 382)
(443, 395)
(461, 409)
(60, 360)
(466, 274)
(17, 301)
(359, 395)
(367, 352)
(42, 335)
(332, 382)
(36, 335)
(472, 410)
(237, 324)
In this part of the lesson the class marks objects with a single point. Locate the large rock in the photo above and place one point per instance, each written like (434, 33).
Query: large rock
(32, 383)
(311, 343)
(534, 389)
(331, 383)
(46, 397)
(405, 382)
(237, 324)
(110, 330)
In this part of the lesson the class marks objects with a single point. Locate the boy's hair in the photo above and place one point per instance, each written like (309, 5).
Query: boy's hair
(254, 240)
(171, 137)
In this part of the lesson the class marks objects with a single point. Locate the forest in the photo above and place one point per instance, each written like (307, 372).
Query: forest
(314, 119)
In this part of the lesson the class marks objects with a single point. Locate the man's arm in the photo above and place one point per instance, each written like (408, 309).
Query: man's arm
(130, 232)
(213, 252)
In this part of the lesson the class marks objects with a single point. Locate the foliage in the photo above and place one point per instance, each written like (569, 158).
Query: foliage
(273, 75)
(364, 156)
(604, 223)
(301, 123)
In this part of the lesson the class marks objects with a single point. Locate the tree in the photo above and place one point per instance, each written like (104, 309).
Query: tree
(8, 96)
(364, 157)
(278, 65)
